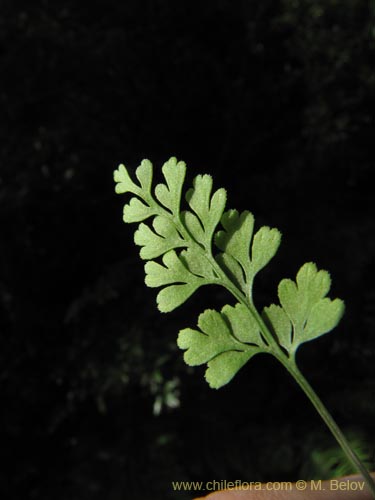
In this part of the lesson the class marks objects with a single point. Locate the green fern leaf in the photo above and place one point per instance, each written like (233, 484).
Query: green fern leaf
(209, 209)
(136, 210)
(183, 239)
(305, 310)
(173, 271)
(235, 241)
(169, 194)
(165, 237)
(226, 341)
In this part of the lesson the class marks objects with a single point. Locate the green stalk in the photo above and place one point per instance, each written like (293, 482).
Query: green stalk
(357, 464)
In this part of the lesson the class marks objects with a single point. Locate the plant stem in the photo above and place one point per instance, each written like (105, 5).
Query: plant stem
(357, 464)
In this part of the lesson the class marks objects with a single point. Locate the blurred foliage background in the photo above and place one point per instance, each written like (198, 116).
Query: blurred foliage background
(276, 100)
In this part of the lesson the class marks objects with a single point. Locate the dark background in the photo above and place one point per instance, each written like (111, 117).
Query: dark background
(276, 100)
